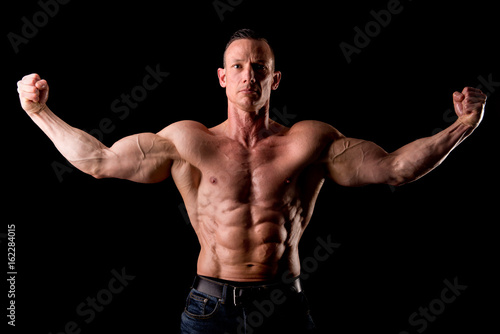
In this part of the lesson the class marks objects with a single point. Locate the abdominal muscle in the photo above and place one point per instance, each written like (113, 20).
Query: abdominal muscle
(247, 244)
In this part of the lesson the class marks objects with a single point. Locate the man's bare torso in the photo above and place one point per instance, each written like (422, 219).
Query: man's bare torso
(249, 205)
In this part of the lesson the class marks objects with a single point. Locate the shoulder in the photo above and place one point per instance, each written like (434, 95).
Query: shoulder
(191, 139)
(182, 126)
(313, 139)
(184, 132)
(316, 131)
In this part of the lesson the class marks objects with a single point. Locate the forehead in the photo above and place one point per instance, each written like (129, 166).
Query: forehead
(249, 49)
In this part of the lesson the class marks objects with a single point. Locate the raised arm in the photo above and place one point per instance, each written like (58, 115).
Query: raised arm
(144, 158)
(355, 162)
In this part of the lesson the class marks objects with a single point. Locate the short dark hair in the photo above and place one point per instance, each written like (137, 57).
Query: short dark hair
(246, 34)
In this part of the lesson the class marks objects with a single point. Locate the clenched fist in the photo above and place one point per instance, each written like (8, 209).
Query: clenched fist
(33, 93)
(469, 106)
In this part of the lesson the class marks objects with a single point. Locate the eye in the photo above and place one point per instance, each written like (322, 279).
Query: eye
(261, 68)
(236, 66)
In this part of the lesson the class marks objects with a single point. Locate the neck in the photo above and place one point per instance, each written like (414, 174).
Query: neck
(247, 127)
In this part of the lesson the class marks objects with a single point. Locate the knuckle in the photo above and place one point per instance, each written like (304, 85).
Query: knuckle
(469, 100)
(31, 79)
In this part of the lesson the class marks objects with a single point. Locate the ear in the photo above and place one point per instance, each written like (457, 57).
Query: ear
(276, 79)
(221, 73)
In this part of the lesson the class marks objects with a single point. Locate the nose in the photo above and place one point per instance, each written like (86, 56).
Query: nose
(249, 75)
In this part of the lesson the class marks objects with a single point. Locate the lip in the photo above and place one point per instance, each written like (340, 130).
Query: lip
(248, 91)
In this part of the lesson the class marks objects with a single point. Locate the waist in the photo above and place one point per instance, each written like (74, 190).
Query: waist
(237, 293)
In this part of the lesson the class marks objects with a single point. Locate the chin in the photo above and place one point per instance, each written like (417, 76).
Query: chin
(250, 106)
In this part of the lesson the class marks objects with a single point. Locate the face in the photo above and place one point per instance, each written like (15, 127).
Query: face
(249, 75)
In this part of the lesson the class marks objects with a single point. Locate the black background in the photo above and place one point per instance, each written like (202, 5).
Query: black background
(398, 245)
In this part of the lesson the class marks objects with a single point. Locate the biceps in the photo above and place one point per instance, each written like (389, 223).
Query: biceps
(355, 162)
(144, 158)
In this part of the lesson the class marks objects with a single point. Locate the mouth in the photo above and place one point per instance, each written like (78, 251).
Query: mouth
(248, 91)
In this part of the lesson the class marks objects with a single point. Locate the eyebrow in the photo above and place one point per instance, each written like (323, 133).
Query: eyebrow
(240, 60)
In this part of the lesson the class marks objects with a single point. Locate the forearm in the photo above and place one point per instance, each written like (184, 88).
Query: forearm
(416, 159)
(355, 162)
(78, 147)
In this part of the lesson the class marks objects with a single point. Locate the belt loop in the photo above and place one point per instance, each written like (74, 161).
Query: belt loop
(196, 278)
(224, 294)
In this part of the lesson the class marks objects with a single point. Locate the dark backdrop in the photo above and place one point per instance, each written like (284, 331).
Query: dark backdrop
(398, 246)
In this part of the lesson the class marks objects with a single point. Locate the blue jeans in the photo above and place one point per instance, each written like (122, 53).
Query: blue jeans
(279, 311)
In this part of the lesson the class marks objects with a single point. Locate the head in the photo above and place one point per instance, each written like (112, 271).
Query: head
(249, 73)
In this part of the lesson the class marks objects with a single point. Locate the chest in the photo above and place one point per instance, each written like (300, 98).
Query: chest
(265, 173)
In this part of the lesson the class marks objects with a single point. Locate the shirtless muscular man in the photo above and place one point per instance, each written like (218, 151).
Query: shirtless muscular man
(249, 184)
